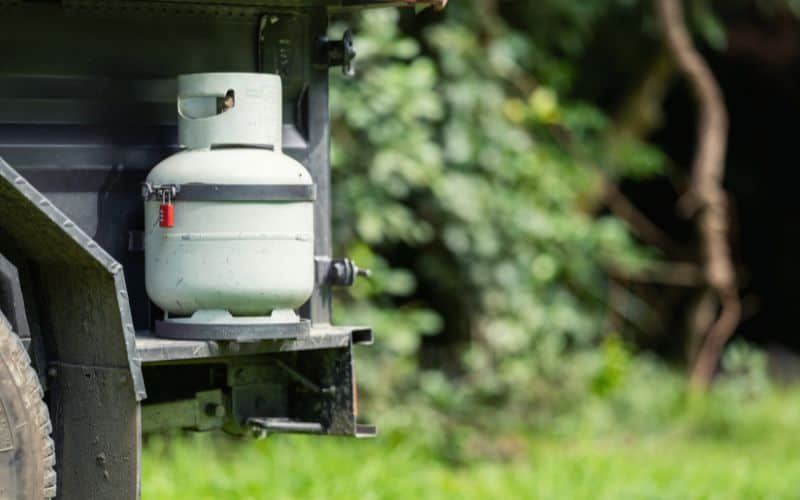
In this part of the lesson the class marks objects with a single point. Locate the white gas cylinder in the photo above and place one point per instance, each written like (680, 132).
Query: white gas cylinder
(229, 221)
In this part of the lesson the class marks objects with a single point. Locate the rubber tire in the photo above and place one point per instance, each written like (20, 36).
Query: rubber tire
(27, 453)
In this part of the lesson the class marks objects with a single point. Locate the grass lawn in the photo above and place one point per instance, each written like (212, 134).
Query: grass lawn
(746, 451)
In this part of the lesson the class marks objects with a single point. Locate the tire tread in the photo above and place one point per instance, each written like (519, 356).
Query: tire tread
(31, 393)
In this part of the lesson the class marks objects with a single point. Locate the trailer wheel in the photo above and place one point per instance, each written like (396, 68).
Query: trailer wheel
(27, 453)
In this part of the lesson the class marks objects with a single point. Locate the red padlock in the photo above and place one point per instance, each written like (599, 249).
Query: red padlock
(166, 212)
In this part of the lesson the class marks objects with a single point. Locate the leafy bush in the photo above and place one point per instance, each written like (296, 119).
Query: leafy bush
(472, 184)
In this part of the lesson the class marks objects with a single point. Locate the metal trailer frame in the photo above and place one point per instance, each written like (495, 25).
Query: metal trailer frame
(87, 108)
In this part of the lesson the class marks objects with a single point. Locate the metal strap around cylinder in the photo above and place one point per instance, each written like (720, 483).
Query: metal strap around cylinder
(243, 192)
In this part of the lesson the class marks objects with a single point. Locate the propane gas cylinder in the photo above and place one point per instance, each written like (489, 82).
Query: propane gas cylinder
(229, 221)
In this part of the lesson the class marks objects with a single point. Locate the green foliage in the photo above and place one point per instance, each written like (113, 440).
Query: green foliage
(709, 25)
(472, 182)
(615, 366)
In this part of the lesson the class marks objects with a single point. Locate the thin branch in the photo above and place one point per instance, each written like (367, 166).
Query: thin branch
(641, 113)
(641, 225)
(679, 274)
(438, 4)
(706, 192)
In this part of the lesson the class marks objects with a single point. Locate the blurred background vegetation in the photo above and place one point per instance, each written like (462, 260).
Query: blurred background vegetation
(511, 172)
